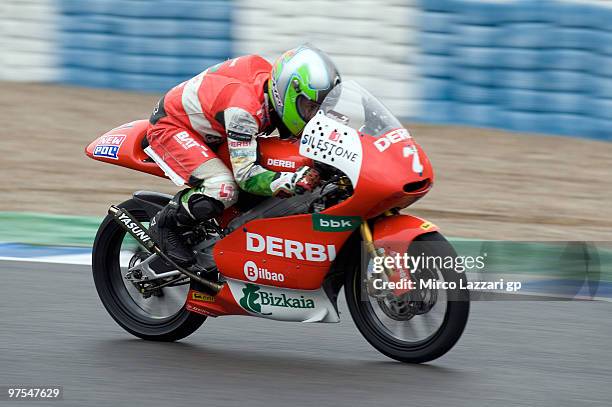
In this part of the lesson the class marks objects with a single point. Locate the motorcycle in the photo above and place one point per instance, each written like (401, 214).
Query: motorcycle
(287, 259)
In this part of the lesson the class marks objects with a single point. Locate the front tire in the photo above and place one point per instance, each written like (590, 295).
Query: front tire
(120, 304)
(433, 345)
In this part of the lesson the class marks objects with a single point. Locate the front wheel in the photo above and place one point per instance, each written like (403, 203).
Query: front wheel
(405, 329)
(160, 316)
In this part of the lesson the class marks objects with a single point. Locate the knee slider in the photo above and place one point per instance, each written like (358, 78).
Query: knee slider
(223, 188)
(228, 193)
(217, 181)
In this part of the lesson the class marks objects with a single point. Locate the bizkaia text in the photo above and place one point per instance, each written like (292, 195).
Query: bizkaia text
(290, 249)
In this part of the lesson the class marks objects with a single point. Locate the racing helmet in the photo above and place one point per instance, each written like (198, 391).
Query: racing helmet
(300, 80)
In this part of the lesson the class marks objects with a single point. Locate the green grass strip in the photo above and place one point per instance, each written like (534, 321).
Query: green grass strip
(556, 259)
(47, 229)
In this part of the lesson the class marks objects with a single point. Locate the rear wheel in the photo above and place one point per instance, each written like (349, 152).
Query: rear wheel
(409, 330)
(160, 316)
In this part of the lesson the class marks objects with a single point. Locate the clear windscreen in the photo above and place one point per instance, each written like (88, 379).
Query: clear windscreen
(352, 105)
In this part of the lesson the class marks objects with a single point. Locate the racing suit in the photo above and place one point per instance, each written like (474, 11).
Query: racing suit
(225, 102)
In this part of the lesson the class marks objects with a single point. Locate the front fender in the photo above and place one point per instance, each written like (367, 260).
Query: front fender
(391, 233)
(398, 231)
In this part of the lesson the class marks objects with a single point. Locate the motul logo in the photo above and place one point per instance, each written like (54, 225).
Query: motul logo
(290, 249)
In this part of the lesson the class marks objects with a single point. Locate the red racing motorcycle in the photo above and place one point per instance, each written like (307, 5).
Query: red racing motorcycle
(287, 259)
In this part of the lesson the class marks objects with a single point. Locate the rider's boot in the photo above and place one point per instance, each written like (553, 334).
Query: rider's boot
(187, 209)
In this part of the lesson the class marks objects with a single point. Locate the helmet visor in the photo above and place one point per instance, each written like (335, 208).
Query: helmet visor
(307, 108)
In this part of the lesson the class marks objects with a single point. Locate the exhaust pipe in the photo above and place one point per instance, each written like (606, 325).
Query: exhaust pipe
(140, 233)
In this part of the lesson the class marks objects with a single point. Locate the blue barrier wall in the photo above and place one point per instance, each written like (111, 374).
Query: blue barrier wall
(141, 44)
(527, 65)
(28, 41)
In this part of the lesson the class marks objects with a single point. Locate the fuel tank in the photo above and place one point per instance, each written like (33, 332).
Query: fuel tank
(274, 154)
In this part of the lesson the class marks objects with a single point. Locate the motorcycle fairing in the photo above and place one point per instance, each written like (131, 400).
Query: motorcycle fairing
(283, 304)
(387, 178)
(395, 233)
(221, 304)
(284, 252)
(240, 296)
(123, 146)
(333, 143)
(246, 298)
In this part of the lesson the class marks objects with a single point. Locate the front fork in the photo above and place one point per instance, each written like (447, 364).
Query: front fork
(389, 274)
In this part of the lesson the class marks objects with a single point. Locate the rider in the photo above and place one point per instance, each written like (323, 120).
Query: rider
(239, 99)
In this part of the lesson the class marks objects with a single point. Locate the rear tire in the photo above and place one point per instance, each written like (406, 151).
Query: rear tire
(438, 343)
(111, 289)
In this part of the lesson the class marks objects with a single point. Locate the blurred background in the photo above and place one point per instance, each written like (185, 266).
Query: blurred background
(525, 65)
(511, 100)
(477, 82)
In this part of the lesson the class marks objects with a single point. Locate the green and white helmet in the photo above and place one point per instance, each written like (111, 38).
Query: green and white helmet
(300, 80)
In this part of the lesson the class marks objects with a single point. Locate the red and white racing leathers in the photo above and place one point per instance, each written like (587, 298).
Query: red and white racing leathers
(225, 101)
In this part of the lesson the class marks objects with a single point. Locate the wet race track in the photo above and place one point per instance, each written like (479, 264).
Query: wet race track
(56, 332)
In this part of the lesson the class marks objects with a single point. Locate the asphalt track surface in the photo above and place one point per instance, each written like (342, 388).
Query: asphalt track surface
(54, 331)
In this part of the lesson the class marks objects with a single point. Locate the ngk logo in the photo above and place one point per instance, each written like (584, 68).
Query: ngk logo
(290, 249)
